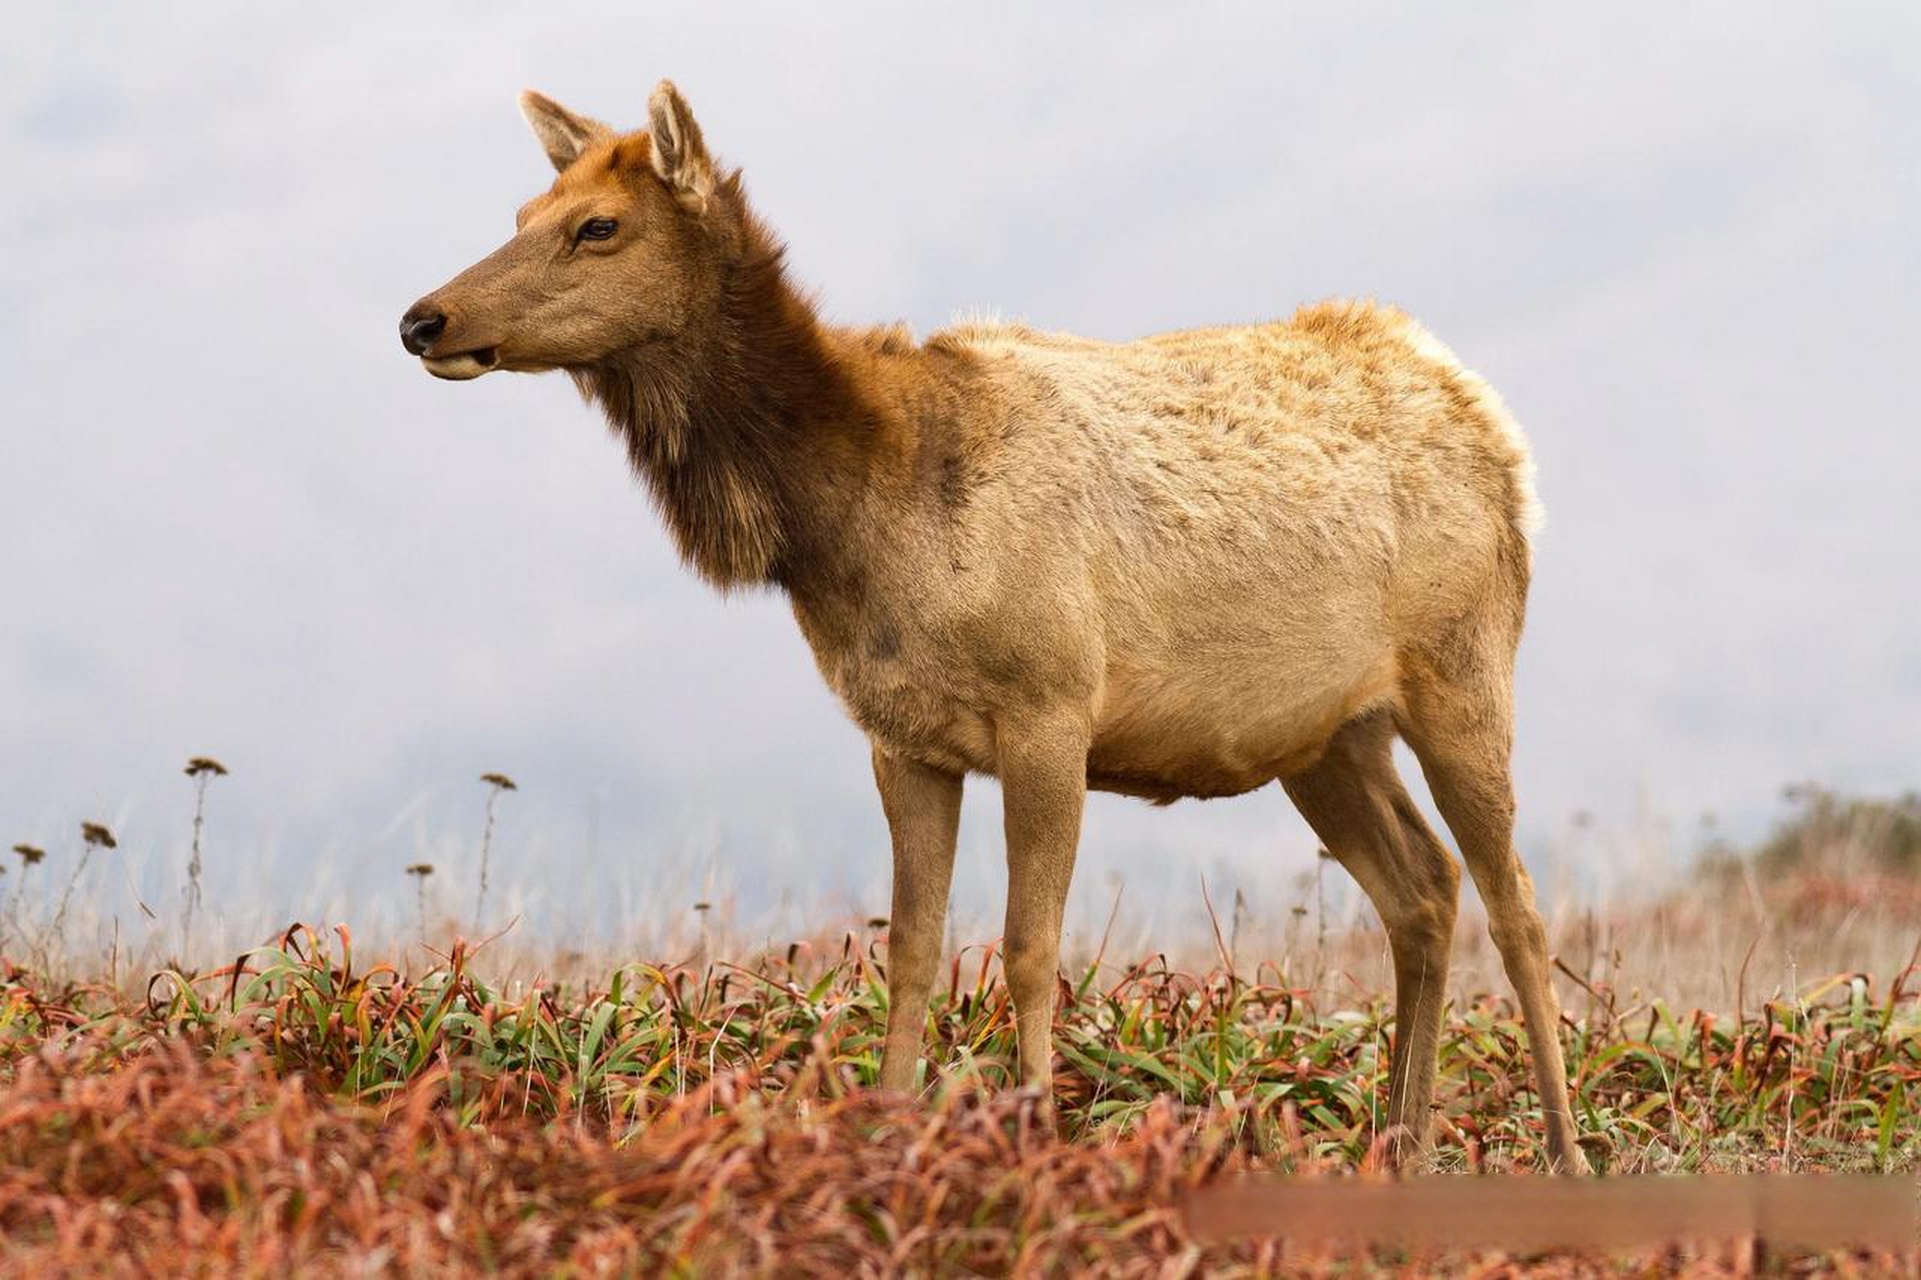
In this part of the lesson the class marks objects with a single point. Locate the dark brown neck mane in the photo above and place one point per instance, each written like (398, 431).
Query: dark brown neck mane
(724, 422)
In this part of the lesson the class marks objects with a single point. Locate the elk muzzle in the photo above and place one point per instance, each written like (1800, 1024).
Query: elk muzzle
(420, 326)
(423, 330)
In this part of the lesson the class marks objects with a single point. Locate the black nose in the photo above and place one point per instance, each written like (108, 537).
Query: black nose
(420, 326)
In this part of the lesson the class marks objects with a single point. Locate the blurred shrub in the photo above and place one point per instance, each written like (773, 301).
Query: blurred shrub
(1826, 833)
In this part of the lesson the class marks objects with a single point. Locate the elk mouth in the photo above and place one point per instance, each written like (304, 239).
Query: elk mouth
(462, 365)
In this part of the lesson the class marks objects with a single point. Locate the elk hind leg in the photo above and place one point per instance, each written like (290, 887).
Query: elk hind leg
(1353, 799)
(1459, 720)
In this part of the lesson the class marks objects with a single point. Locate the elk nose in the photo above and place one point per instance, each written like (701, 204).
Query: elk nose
(420, 326)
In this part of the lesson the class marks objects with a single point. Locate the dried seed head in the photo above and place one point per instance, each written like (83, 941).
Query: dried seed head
(421, 869)
(29, 853)
(877, 922)
(703, 907)
(499, 781)
(96, 833)
(205, 764)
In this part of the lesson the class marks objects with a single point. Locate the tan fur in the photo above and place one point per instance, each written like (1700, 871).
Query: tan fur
(1189, 565)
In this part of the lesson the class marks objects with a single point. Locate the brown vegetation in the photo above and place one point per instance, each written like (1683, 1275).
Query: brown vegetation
(301, 1114)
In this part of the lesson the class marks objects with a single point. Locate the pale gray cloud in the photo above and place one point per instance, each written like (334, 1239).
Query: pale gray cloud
(239, 520)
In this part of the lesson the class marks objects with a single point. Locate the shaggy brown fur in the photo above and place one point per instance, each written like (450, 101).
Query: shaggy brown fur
(1189, 565)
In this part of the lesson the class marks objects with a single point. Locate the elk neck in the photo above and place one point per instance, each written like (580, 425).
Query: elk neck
(750, 429)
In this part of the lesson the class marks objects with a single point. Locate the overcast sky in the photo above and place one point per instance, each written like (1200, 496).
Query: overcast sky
(236, 519)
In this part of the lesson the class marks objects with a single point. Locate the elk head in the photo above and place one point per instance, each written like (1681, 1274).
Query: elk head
(627, 248)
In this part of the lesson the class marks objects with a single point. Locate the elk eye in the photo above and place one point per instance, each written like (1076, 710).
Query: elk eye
(597, 229)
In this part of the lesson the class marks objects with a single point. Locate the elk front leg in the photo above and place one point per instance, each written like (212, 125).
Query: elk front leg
(923, 815)
(1043, 770)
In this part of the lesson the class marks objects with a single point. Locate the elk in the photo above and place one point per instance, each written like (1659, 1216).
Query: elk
(1183, 566)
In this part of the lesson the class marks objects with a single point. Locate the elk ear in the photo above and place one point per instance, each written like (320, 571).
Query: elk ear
(562, 134)
(679, 155)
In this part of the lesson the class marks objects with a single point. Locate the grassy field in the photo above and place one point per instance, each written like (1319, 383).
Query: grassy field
(317, 1107)
(307, 1110)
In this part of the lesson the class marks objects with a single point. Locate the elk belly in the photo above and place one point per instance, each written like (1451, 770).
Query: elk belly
(1206, 734)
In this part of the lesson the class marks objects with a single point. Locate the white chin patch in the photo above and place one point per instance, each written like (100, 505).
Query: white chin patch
(459, 368)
